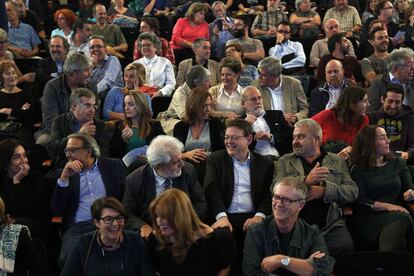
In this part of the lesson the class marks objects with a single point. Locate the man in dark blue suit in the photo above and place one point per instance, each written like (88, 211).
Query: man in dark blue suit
(165, 170)
(85, 178)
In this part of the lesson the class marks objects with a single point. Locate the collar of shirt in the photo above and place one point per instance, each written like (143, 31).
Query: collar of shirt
(330, 87)
(94, 167)
(147, 61)
(245, 163)
(393, 79)
(277, 89)
(223, 91)
(18, 25)
(159, 180)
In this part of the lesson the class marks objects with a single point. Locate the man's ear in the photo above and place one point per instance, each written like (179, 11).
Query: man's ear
(250, 139)
(96, 222)
(301, 204)
(382, 99)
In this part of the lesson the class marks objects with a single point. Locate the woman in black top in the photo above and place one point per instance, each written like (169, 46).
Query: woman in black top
(181, 244)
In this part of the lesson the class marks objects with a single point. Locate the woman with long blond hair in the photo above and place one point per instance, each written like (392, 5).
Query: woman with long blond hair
(181, 244)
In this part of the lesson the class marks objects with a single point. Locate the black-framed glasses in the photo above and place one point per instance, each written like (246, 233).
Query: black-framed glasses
(109, 220)
(285, 201)
(71, 150)
(232, 137)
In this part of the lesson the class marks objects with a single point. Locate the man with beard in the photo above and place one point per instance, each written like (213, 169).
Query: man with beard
(272, 134)
(253, 48)
(347, 16)
(285, 244)
(329, 185)
(376, 64)
(400, 70)
(79, 40)
(327, 95)
(338, 46)
(52, 67)
(397, 120)
(291, 53)
(85, 178)
(237, 183)
(106, 70)
(165, 170)
(265, 23)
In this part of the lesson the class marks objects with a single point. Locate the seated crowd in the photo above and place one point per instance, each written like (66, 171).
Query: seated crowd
(204, 138)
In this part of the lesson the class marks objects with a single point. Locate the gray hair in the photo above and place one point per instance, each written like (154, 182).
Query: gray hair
(78, 93)
(3, 35)
(151, 37)
(197, 43)
(161, 149)
(399, 57)
(66, 44)
(297, 4)
(295, 183)
(216, 3)
(197, 76)
(312, 125)
(272, 65)
(75, 62)
(244, 93)
(88, 143)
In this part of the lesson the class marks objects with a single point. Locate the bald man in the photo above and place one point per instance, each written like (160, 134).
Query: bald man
(326, 95)
(320, 47)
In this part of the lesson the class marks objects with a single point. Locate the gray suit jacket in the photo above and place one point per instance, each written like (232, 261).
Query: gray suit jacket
(294, 98)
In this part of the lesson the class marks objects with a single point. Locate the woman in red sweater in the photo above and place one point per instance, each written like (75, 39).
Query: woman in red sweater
(346, 119)
(188, 29)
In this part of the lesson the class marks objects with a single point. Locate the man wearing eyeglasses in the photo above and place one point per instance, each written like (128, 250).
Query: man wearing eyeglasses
(85, 178)
(80, 119)
(329, 185)
(283, 242)
(237, 183)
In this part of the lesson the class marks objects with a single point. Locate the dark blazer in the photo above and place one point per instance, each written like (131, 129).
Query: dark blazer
(280, 129)
(319, 98)
(62, 126)
(65, 201)
(45, 68)
(118, 147)
(219, 182)
(140, 191)
(216, 133)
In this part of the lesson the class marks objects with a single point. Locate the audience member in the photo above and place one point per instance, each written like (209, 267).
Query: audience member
(408, 27)
(120, 11)
(272, 134)
(305, 21)
(220, 29)
(181, 244)
(400, 70)
(55, 100)
(326, 95)
(290, 53)
(202, 52)
(159, 70)
(265, 24)
(79, 40)
(384, 186)
(320, 47)
(397, 120)
(114, 39)
(30, 16)
(237, 183)
(150, 24)
(253, 48)
(281, 92)
(85, 178)
(23, 39)
(187, 30)
(347, 16)
(248, 72)
(329, 185)
(165, 170)
(64, 19)
(369, 11)
(300, 248)
(198, 77)
(99, 251)
(227, 94)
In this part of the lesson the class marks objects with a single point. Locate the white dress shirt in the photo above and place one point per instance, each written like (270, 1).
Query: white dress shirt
(289, 47)
(277, 97)
(264, 147)
(226, 102)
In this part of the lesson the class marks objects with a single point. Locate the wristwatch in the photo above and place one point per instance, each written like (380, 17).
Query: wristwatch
(285, 261)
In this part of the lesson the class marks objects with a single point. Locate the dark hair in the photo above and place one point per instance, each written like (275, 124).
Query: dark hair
(246, 20)
(237, 47)
(395, 88)
(346, 109)
(65, 42)
(109, 202)
(4, 218)
(373, 22)
(380, 7)
(7, 147)
(374, 31)
(153, 24)
(232, 64)
(364, 148)
(284, 23)
(335, 38)
(143, 113)
(241, 124)
(195, 101)
(79, 23)
(407, 14)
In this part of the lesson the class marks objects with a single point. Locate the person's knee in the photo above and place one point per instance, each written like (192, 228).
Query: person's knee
(339, 242)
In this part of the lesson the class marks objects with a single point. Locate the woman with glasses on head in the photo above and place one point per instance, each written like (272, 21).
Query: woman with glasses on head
(248, 72)
(110, 250)
(181, 244)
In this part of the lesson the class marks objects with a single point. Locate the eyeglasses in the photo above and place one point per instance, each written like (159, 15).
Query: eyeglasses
(232, 137)
(109, 220)
(285, 201)
(71, 150)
